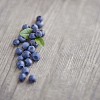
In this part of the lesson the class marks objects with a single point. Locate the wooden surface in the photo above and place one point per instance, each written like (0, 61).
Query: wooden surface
(70, 65)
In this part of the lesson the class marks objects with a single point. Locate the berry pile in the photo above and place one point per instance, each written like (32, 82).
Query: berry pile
(29, 39)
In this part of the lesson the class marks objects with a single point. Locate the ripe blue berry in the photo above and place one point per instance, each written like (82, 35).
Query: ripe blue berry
(25, 70)
(43, 33)
(20, 58)
(21, 39)
(39, 18)
(31, 49)
(25, 26)
(16, 42)
(39, 24)
(20, 64)
(26, 54)
(25, 45)
(35, 56)
(38, 33)
(34, 27)
(28, 62)
(19, 51)
(32, 79)
(22, 77)
(33, 43)
(32, 36)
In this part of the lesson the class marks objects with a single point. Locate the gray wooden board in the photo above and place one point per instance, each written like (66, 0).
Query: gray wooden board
(69, 68)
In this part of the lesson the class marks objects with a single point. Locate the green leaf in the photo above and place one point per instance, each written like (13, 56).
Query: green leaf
(40, 41)
(25, 33)
(26, 36)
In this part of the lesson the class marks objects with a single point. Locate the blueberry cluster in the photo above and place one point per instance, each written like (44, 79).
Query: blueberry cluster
(27, 53)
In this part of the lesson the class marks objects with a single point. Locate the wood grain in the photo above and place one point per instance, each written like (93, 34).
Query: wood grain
(70, 65)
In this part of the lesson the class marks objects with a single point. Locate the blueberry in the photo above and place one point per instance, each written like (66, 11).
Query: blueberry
(35, 56)
(32, 36)
(25, 70)
(21, 39)
(20, 64)
(25, 45)
(39, 18)
(39, 24)
(38, 33)
(33, 43)
(26, 54)
(34, 27)
(28, 62)
(22, 77)
(43, 33)
(19, 51)
(16, 42)
(32, 79)
(31, 49)
(20, 58)
(25, 26)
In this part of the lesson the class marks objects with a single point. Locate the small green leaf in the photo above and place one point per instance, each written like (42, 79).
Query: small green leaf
(25, 33)
(26, 36)
(40, 41)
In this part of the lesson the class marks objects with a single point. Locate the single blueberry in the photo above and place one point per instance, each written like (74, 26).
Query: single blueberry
(32, 79)
(21, 39)
(38, 33)
(34, 27)
(33, 43)
(25, 70)
(43, 33)
(20, 58)
(16, 42)
(35, 56)
(19, 51)
(32, 36)
(39, 18)
(31, 49)
(25, 26)
(39, 24)
(20, 64)
(28, 62)
(26, 54)
(25, 45)
(22, 77)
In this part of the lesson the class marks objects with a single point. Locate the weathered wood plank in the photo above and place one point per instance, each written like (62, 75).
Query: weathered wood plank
(69, 68)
